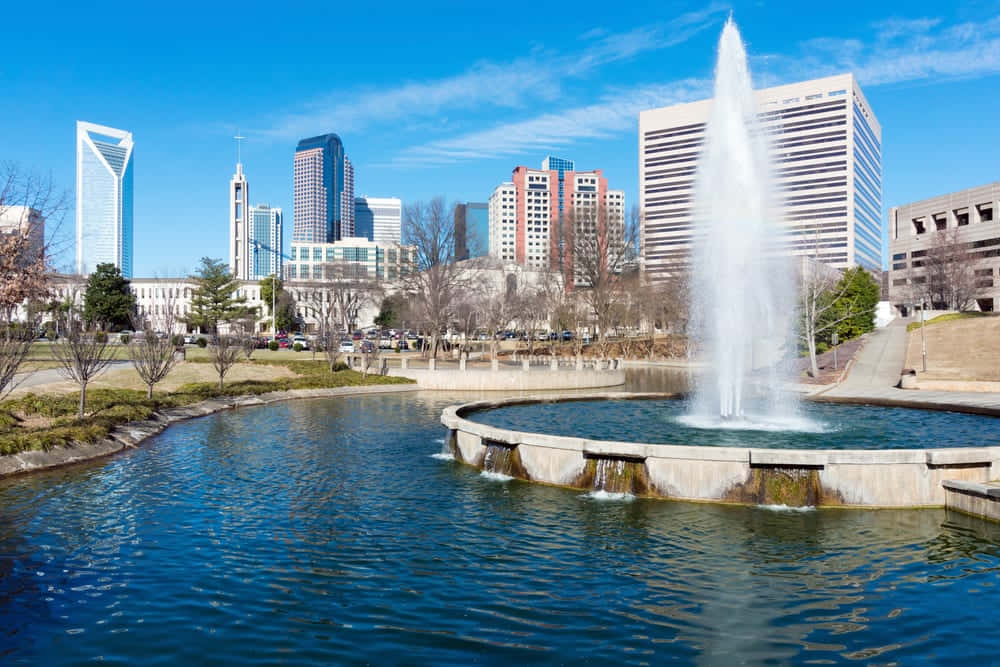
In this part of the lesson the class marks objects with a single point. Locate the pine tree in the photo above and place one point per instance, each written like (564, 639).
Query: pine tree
(212, 302)
(108, 301)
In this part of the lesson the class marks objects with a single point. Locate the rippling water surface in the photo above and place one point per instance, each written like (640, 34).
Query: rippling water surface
(821, 425)
(326, 532)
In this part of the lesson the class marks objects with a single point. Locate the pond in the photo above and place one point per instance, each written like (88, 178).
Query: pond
(332, 531)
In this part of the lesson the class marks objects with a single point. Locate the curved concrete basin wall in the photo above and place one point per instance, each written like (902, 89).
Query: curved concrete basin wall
(513, 380)
(859, 477)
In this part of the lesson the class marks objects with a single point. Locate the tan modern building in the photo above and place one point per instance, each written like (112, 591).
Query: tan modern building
(826, 154)
(969, 219)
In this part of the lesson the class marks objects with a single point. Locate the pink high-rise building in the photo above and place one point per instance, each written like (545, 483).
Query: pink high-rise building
(534, 215)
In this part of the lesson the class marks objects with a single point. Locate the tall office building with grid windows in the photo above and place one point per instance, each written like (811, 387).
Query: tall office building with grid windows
(103, 198)
(323, 191)
(826, 152)
(265, 242)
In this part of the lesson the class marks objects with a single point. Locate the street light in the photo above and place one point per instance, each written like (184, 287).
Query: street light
(923, 340)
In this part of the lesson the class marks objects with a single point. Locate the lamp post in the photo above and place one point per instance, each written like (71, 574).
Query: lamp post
(923, 340)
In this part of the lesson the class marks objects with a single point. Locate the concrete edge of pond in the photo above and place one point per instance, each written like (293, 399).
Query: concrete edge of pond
(864, 478)
(131, 434)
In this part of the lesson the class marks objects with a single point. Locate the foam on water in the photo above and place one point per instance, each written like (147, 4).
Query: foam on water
(754, 422)
(495, 476)
(787, 508)
(607, 496)
(441, 456)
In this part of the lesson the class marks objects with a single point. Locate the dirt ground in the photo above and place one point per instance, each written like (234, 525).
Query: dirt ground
(182, 373)
(958, 350)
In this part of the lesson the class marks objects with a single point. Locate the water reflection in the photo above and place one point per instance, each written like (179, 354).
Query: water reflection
(323, 531)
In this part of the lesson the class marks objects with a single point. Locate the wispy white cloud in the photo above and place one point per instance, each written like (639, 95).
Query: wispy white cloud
(614, 114)
(537, 77)
(905, 50)
(897, 50)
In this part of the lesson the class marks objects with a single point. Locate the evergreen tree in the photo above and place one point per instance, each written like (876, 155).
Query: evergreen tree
(858, 295)
(212, 302)
(108, 302)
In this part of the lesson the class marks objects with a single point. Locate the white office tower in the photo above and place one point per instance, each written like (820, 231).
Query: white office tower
(239, 226)
(826, 158)
(104, 198)
(503, 221)
(379, 219)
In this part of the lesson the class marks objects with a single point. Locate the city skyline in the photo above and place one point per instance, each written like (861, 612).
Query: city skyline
(452, 119)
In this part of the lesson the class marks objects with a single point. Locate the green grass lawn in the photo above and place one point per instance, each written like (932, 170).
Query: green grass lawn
(948, 317)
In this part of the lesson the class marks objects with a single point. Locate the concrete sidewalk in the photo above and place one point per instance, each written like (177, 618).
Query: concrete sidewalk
(875, 374)
(879, 362)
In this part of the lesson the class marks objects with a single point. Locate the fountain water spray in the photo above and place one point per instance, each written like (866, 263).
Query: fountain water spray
(743, 297)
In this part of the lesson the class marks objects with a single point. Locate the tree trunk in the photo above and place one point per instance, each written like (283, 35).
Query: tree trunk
(221, 376)
(83, 399)
(149, 394)
(813, 367)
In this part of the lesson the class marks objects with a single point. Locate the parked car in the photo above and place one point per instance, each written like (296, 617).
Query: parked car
(301, 340)
(367, 346)
(567, 335)
(189, 339)
(347, 345)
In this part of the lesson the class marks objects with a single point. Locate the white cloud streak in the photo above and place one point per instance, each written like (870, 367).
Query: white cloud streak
(901, 50)
(534, 78)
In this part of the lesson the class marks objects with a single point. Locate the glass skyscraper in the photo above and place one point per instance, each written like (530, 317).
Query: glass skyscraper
(265, 242)
(104, 198)
(324, 191)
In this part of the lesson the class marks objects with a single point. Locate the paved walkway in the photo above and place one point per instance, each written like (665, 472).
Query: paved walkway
(50, 375)
(880, 360)
(876, 370)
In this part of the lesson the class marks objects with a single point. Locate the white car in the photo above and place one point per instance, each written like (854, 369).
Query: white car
(347, 346)
(301, 340)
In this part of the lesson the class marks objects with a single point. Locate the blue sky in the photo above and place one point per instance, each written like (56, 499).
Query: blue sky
(446, 98)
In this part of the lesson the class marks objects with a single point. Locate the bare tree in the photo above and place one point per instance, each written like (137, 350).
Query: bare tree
(224, 355)
(438, 281)
(245, 328)
(82, 355)
(500, 303)
(15, 343)
(603, 254)
(949, 272)
(820, 305)
(152, 356)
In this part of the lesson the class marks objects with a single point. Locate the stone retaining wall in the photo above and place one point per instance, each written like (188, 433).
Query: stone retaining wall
(859, 477)
(535, 379)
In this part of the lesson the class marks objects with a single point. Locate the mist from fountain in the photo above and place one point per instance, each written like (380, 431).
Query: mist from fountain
(742, 297)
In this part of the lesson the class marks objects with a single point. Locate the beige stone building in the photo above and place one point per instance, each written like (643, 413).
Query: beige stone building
(970, 218)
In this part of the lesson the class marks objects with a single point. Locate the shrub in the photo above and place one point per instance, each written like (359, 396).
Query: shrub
(273, 346)
(340, 366)
(101, 337)
(177, 340)
(125, 338)
(297, 347)
(202, 342)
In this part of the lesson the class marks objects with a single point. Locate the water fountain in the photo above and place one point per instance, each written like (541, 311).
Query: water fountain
(741, 294)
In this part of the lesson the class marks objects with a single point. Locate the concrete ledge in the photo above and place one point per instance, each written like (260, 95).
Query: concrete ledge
(980, 499)
(858, 477)
(539, 379)
(793, 458)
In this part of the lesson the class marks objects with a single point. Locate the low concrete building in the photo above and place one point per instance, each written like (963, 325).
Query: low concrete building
(971, 218)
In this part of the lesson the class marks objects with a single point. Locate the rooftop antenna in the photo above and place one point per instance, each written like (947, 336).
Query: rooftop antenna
(238, 139)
